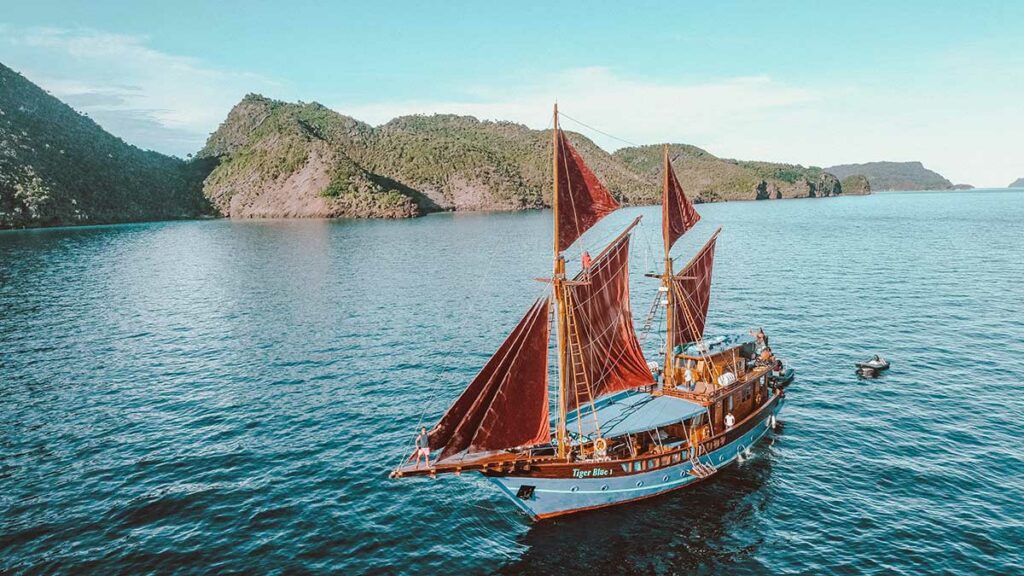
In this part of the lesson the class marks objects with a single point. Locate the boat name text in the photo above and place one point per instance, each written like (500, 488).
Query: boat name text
(577, 473)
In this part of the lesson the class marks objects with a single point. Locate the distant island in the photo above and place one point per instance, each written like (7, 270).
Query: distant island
(897, 176)
(1018, 183)
(277, 159)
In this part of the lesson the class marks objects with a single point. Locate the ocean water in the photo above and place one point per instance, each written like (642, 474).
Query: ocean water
(228, 397)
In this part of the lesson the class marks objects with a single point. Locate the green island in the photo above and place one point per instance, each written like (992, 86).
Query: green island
(274, 159)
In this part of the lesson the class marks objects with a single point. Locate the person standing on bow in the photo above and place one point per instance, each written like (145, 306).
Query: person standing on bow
(422, 447)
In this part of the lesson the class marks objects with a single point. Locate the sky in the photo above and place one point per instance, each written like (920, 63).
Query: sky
(814, 83)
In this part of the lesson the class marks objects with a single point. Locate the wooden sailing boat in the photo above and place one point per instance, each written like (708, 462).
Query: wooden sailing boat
(619, 435)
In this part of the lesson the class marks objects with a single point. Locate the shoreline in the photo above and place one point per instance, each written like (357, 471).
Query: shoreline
(356, 218)
(476, 212)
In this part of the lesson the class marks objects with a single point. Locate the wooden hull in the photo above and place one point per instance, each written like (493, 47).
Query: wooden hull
(599, 485)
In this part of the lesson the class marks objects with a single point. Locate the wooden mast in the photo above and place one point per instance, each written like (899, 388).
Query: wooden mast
(666, 281)
(558, 279)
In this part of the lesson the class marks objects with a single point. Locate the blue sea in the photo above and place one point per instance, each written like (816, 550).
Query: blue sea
(218, 397)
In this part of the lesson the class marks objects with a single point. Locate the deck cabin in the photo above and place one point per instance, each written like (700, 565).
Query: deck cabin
(723, 376)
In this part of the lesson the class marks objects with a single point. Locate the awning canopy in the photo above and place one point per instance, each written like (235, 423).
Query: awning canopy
(630, 412)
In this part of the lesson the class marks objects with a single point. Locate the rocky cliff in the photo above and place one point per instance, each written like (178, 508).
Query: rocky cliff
(894, 175)
(1018, 183)
(59, 167)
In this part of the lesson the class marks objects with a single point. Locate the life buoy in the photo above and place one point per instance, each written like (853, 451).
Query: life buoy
(601, 445)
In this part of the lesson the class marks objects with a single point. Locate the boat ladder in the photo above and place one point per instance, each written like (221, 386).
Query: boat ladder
(700, 469)
(578, 368)
(649, 320)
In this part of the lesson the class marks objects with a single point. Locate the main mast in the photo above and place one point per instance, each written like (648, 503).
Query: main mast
(557, 281)
(666, 281)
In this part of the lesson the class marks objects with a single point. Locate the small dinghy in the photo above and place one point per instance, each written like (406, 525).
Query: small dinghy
(872, 367)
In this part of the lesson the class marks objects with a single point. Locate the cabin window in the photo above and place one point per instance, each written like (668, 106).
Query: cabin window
(728, 404)
(677, 457)
(625, 467)
(652, 463)
(638, 466)
(666, 460)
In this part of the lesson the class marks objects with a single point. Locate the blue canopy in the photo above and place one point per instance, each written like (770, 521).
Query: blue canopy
(630, 412)
(716, 345)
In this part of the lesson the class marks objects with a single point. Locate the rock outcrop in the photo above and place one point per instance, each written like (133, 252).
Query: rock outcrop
(856, 184)
(1018, 183)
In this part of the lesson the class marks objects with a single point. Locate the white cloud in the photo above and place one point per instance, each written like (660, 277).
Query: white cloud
(760, 118)
(630, 109)
(960, 115)
(152, 99)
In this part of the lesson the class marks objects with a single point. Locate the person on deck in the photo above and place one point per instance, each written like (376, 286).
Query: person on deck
(422, 447)
(656, 374)
(766, 356)
(762, 338)
(688, 376)
(777, 368)
(729, 420)
(585, 259)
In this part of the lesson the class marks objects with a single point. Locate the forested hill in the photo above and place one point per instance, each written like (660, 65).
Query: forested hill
(59, 167)
(894, 175)
(303, 159)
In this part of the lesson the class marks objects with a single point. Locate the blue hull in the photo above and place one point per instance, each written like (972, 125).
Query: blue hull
(558, 496)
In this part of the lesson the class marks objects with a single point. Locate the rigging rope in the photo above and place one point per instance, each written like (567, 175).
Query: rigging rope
(603, 133)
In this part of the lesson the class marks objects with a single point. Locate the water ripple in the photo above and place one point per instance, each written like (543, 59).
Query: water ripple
(209, 397)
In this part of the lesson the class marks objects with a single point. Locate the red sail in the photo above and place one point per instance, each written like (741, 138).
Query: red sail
(693, 293)
(600, 330)
(506, 405)
(582, 199)
(677, 213)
